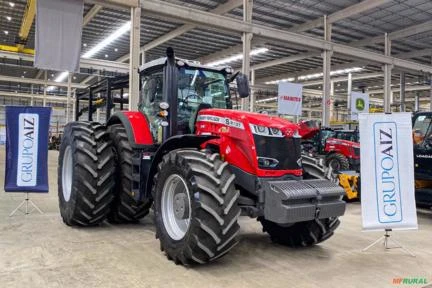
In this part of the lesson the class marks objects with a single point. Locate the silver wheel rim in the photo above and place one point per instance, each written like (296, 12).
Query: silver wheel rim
(67, 174)
(176, 207)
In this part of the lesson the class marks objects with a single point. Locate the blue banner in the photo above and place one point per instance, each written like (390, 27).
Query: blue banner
(27, 149)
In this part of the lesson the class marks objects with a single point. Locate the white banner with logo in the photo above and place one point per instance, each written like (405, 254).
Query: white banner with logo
(359, 104)
(290, 98)
(387, 171)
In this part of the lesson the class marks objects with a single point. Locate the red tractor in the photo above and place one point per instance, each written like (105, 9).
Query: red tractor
(198, 163)
(340, 148)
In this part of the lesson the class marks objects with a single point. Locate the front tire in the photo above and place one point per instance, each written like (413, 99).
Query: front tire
(125, 209)
(196, 207)
(300, 234)
(85, 174)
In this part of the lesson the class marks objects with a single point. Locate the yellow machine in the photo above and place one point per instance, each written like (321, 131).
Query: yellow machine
(351, 184)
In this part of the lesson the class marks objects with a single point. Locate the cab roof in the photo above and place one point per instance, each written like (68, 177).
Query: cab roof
(195, 64)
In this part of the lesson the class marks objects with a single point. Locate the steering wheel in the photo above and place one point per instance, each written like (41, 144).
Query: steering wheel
(185, 100)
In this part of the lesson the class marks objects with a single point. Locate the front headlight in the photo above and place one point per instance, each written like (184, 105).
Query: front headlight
(265, 131)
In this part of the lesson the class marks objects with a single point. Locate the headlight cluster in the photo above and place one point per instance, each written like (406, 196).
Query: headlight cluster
(265, 131)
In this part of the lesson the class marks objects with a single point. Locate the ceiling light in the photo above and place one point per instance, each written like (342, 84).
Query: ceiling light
(236, 57)
(25, 72)
(8, 18)
(74, 77)
(6, 32)
(115, 49)
(52, 74)
(11, 4)
(106, 55)
(111, 38)
(62, 76)
(85, 44)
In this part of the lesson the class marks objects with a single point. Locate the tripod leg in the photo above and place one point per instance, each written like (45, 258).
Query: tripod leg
(36, 207)
(374, 243)
(403, 248)
(17, 209)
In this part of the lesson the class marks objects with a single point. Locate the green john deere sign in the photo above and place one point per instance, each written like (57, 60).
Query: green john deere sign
(360, 104)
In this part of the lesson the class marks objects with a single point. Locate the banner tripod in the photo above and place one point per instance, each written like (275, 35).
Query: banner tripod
(387, 239)
(26, 202)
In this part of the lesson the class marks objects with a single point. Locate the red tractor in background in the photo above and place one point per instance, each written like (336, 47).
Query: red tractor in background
(339, 148)
(197, 163)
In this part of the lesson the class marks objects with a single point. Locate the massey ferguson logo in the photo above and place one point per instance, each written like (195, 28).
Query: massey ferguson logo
(387, 173)
(28, 128)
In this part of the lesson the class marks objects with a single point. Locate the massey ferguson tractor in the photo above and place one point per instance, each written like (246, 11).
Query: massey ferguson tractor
(340, 149)
(199, 165)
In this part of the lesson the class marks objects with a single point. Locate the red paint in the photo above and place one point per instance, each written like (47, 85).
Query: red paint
(236, 145)
(344, 147)
(140, 127)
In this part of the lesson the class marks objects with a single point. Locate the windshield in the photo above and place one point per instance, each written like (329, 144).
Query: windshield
(197, 85)
(422, 131)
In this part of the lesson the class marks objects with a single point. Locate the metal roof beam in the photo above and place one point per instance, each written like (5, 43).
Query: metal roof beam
(39, 82)
(284, 60)
(103, 65)
(226, 23)
(221, 9)
(340, 15)
(91, 14)
(399, 34)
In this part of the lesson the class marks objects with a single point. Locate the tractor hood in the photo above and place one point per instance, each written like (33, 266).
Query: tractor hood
(236, 118)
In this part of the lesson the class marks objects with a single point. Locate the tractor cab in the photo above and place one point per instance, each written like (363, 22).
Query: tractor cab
(195, 87)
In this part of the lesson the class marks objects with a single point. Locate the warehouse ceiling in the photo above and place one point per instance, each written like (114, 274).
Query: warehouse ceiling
(365, 30)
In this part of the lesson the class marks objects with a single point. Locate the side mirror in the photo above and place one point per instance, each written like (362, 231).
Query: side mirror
(243, 87)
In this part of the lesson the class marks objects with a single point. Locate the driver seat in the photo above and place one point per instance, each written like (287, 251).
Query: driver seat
(194, 117)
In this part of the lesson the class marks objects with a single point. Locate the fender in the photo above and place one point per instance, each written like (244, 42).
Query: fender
(137, 128)
(173, 143)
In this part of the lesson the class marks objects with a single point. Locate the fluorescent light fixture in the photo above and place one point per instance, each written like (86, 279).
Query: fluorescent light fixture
(111, 38)
(6, 32)
(8, 18)
(11, 4)
(267, 100)
(318, 75)
(62, 76)
(236, 57)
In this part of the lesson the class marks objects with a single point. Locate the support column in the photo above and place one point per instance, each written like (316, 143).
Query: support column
(417, 102)
(68, 96)
(74, 105)
(45, 88)
(402, 92)
(387, 75)
(332, 118)
(32, 93)
(326, 101)
(246, 39)
(430, 97)
(134, 58)
(252, 96)
(143, 57)
(349, 90)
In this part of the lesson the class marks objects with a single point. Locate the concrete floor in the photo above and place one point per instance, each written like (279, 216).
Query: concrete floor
(40, 251)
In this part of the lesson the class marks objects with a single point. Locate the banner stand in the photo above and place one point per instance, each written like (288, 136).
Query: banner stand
(26, 202)
(387, 239)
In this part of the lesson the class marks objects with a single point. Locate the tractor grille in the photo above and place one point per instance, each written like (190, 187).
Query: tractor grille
(285, 150)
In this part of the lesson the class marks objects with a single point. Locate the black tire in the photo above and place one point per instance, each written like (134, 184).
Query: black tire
(124, 209)
(214, 207)
(301, 234)
(337, 162)
(91, 170)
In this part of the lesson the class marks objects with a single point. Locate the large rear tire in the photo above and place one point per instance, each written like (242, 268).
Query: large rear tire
(125, 209)
(337, 162)
(85, 174)
(196, 207)
(301, 234)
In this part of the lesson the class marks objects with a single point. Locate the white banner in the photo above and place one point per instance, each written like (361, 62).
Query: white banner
(359, 104)
(387, 171)
(58, 34)
(290, 98)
